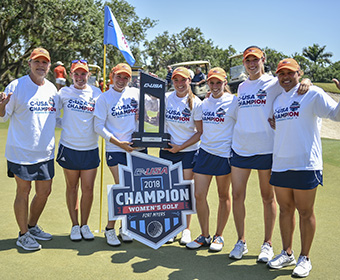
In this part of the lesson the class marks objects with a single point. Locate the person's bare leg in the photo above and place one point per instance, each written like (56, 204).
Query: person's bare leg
(202, 183)
(285, 199)
(239, 179)
(269, 204)
(224, 205)
(21, 203)
(72, 186)
(304, 201)
(87, 178)
(42, 192)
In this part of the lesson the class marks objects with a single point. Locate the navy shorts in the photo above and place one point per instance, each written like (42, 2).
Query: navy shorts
(258, 162)
(77, 160)
(187, 158)
(209, 164)
(297, 179)
(114, 158)
(41, 171)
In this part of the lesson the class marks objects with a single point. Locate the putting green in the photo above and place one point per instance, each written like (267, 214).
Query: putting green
(61, 258)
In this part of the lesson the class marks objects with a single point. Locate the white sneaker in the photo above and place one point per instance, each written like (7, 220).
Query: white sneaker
(75, 233)
(111, 237)
(28, 242)
(199, 242)
(303, 267)
(186, 237)
(217, 243)
(39, 234)
(266, 253)
(86, 232)
(171, 240)
(282, 260)
(125, 236)
(239, 250)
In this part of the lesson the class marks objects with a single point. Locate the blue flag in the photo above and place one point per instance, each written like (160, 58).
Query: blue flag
(113, 35)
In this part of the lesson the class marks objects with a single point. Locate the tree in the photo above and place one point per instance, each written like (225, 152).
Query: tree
(188, 45)
(69, 29)
(317, 54)
(319, 60)
(273, 58)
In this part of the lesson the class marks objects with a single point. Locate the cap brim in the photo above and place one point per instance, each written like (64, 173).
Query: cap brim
(179, 74)
(83, 67)
(122, 71)
(254, 54)
(41, 55)
(286, 67)
(217, 77)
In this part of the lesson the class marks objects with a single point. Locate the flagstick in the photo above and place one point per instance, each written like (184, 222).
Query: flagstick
(102, 153)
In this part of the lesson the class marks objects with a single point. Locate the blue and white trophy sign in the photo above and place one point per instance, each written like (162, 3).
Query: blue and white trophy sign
(152, 199)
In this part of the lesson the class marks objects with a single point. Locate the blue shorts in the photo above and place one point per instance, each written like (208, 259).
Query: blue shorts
(41, 171)
(209, 164)
(258, 162)
(301, 179)
(187, 158)
(77, 160)
(114, 158)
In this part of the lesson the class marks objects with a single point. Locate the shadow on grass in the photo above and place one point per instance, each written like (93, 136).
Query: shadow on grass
(181, 262)
(84, 248)
(190, 264)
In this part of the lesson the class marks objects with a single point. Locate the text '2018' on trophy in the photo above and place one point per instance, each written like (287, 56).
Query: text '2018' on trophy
(151, 114)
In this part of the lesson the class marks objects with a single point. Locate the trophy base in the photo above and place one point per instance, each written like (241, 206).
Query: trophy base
(148, 139)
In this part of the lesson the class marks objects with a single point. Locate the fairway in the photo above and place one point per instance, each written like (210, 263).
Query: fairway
(61, 258)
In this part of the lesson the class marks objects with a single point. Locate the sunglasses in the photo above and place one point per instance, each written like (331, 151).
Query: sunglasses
(83, 61)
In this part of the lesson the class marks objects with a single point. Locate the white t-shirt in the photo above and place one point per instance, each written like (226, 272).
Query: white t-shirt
(32, 112)
(252, 133)
(297, 143)
(219, 117)
(115, 114)
(180, 120)
(77, 122)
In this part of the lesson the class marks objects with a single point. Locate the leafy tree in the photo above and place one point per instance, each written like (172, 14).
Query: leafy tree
(273, 58)
(317, 54)
(69, 29)
(319, 60)
(188, 45)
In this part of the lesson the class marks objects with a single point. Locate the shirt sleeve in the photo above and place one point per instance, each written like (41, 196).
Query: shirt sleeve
(10, 107)
(326, 107)
(100, 113)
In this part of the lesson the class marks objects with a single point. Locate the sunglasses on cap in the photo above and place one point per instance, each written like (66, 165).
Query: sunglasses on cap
(83, 61)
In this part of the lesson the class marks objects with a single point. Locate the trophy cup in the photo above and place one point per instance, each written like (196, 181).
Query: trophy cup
(151, 114)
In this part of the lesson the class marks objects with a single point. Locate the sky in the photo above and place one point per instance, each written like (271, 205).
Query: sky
(286, 26)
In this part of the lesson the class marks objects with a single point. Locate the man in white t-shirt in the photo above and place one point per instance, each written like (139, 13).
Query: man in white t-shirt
(30, 104)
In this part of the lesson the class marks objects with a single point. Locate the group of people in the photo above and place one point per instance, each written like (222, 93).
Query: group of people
(223, 136)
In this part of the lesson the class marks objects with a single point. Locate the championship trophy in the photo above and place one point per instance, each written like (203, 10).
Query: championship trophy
(151, 114)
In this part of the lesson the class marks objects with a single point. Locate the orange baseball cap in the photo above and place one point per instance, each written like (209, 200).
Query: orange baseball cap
(79, 64)
(122, 68)
(288, 63)
(182, 71)
(40, 52)
(217, 73)
(253, 51)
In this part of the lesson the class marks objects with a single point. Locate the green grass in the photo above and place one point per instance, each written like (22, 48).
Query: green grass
(328, 87)
(63, 259)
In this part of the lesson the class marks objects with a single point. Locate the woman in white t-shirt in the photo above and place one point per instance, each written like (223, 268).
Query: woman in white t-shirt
(297, 161)
(218, 117)
(183, 121)
(252, 148)
(115, 120)
(78, 147)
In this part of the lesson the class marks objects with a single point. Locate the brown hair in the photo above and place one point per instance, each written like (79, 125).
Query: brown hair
(191, 98)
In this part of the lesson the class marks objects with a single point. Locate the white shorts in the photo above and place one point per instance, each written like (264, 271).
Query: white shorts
(60, 81)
